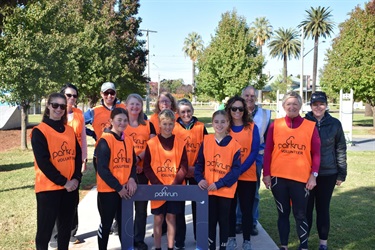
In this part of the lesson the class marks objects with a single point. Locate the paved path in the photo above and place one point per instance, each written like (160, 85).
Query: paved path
(89, 222)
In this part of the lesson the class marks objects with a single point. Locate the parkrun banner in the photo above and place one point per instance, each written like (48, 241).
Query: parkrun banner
(168, 193)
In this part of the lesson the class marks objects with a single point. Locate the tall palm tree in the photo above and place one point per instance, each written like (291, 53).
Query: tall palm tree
(193, 46)
(317, 24)
(285, 44)
(261, 30)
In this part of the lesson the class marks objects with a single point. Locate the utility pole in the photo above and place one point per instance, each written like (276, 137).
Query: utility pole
(148, 69)
(302, 56)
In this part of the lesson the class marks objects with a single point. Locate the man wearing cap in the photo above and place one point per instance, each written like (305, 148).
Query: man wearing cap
(262, 118)
(99, 116)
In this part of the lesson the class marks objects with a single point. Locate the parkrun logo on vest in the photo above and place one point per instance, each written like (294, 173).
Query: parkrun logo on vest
(121, 157)
(290, 147)
(166, 168)
(217, 164)
(66, 153)
(164, 193)
(191, 146)
(136, 140)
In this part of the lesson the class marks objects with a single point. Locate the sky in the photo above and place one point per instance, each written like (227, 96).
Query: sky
(173, 20)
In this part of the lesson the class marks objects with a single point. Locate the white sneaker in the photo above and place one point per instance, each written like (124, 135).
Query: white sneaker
(232, 243)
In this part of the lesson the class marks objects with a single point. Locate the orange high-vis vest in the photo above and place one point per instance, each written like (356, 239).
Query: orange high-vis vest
(245, 139)
(77, 124)
(165, 164)
(291, 156)
(101, 118)
(62, 150)
(193, 139)
(154, 118)
(120, 161)
(139, 135)
(218, 162)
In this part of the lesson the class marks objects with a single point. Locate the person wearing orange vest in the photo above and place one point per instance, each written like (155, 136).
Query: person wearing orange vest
(77, 122)
(140, 131)
(217, 169)
(244, 130)
(165, 101)
(291, 165)
(116, 173)
(165, 163)
(98, 116)
(192, 132)
(57, 162)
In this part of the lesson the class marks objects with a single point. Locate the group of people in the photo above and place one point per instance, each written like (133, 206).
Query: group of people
(302, 161)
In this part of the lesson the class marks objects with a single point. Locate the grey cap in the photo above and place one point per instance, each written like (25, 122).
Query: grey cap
(107, 85)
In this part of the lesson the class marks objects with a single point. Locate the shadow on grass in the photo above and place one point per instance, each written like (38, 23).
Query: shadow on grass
(17, 188)
(207, 121)
(12, 167)
(363, 123)
(352, 218)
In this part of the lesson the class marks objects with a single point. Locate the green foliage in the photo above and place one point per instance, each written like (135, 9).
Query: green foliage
(351, 61)
(230, 62)
(285, 45)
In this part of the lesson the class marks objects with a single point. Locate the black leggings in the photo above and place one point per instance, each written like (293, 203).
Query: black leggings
(287, 194)
(321, 195)
(218, 210)
(60, 206)
(109, 206)
(140, 213)
(246, 194)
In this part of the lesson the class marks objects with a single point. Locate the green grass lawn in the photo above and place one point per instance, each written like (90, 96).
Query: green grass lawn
(353, 206)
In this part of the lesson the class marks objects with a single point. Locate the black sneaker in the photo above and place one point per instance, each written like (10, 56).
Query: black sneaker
(140, 245)
(239, 229)
(254, 231)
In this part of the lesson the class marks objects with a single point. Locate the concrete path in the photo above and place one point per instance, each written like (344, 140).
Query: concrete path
(89, 221)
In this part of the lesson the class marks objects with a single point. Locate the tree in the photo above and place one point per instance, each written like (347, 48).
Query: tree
(350, 62)
(261, 30)
(317, 24)
(193, 47)
(231, 61)
(285, 45)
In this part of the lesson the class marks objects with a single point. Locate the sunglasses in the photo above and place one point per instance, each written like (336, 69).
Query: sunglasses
(70, 95)
(56, 105)
(234, 109)
(110, 92)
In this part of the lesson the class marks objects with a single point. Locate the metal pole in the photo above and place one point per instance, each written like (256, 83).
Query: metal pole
(302, 56)
(148, 70)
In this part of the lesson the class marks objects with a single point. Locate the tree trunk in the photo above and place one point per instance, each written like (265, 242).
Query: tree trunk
(315, 64)
(24, 120)
(260, 94)
(373, 117)
(368, 110)
(285, 70)
(194, 98)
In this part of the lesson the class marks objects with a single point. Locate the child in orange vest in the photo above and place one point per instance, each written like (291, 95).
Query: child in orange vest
(217, 169)
(166, 152)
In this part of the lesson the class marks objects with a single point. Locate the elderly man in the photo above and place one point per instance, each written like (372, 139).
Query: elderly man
(262, 118)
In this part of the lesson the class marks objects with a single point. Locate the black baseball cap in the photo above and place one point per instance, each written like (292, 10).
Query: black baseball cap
(318, 96)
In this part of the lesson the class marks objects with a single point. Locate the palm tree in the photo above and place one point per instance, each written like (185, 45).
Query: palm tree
(317, 24)
(285, 45)
(193, 46)
(261, 29)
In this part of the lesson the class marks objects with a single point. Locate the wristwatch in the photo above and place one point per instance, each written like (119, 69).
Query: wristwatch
(315, 174)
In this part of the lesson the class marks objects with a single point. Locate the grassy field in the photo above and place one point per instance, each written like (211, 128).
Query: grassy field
(352, 204)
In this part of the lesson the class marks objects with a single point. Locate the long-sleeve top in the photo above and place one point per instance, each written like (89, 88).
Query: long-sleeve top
(291, 123)
(231, 177)
(42, 154)
(167, 144)
(254, 147)
(103, 154)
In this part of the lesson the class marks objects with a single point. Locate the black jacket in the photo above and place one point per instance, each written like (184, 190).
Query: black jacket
(333, 146)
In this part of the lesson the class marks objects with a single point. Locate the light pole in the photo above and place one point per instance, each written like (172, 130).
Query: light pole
(148, 70)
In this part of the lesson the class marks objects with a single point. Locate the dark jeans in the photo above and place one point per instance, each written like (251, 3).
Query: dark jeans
(140, 213)
(245, 193)
(109, 206)
(52, 206)
(321, 196)
(218, 210)
(291, 194)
